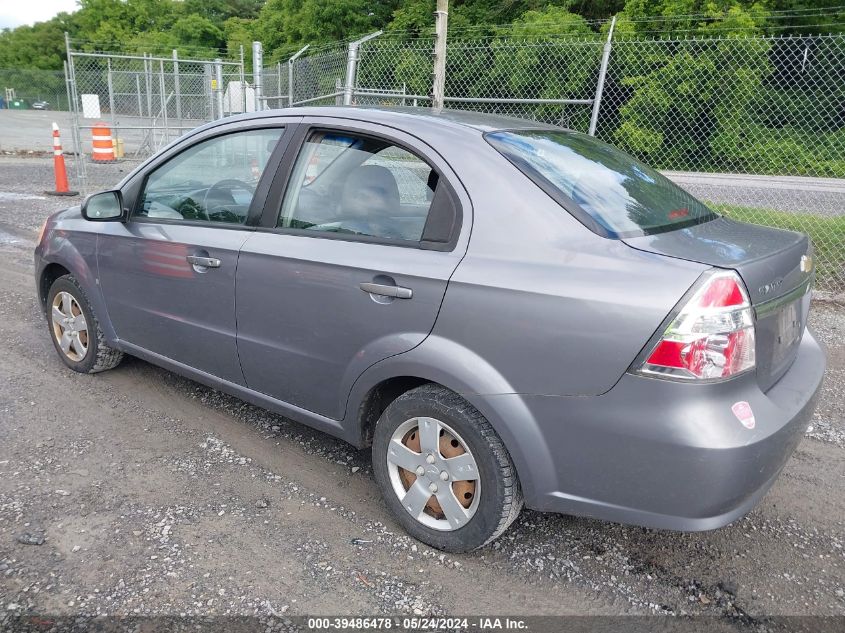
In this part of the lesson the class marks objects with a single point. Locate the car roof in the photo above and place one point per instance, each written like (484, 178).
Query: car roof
(402, 117)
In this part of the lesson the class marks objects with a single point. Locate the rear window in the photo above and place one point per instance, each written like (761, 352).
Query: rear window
(606, 189)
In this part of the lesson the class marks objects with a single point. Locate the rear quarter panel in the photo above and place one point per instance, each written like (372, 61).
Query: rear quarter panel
(554, 308)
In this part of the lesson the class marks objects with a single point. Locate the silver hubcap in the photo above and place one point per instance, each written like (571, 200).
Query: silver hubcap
(433, 473)
(69, 326)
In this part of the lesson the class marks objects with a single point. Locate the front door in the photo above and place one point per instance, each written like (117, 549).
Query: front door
(352, 269)
(168, 274)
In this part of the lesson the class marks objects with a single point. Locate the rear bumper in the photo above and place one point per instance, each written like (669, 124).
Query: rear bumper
(669, 455)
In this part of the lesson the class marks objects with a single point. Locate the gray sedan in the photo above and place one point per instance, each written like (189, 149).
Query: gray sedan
(507, 312)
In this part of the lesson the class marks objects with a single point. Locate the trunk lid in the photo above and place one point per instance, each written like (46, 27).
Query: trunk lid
(770, 263)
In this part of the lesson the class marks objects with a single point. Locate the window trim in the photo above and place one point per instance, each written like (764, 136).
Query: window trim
(256, 208)
(294, 149)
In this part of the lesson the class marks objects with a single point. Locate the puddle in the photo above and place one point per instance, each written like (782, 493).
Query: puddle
(11, 195)
(6, 238)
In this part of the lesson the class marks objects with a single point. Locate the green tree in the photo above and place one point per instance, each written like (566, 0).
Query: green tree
(690, 99)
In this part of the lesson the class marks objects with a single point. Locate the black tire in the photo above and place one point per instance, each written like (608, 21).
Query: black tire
(501, 495)
(99, 356)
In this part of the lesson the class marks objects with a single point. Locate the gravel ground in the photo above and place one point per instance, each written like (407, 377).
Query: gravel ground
(152, 495)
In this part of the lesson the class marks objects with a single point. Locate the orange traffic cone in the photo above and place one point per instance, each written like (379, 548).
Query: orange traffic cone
(62, 188)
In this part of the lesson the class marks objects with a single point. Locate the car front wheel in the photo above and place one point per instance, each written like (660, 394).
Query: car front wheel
(75, 331)
(444, 471)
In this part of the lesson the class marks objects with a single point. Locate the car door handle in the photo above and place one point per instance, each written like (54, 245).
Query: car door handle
(205, 262)
(397, 292)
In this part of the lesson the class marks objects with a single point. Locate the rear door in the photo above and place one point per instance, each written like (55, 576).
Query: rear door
(351, 263)
(168, 274)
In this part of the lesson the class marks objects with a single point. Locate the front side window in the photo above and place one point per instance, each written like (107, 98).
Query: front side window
(619, 193)
(212, 181)
(356, 185)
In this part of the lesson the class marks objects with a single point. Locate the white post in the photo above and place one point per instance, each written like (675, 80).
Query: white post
(605, 57)
(441, 25)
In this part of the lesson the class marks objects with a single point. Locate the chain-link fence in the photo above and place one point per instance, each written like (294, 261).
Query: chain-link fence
(275, 80)
(24, 89)
(148, 101)
(754, 126)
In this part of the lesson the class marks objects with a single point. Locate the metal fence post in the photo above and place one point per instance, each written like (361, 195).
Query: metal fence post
(67, 85)
(351, 61)
(279, 84)
(290, 72)
(148, 82)
(208, 90)
(80, 168)
(218, 78)
(177, 88)
(605, 57)
(352, 66)
(163, 98)
(111, 95)
(290, 82)
(257, 79)
(439, 83)
(242, 78)
(138, 94)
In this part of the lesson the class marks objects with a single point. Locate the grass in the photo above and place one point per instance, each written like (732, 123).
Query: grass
(827, 234)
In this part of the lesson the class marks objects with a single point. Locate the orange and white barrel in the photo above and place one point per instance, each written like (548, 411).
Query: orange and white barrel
(103, 148)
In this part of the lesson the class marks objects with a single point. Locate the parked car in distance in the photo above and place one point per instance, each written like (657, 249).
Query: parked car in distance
(40, 105)
(507, 312)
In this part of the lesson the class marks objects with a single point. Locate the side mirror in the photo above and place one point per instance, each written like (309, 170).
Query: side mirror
(106, 206)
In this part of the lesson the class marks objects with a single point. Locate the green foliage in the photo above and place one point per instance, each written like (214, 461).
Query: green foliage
(285, 25)
(690, 102)
(40, 46)
(35, 85)
(718, 104)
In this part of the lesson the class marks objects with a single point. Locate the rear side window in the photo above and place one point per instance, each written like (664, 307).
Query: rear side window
(359, 186)
(608, 190)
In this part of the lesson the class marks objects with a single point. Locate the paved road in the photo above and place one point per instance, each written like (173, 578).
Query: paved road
(31, 130)
(157, 495)
(821, 196)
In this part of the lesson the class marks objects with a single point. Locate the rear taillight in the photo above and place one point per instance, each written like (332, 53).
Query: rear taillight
(711, 337)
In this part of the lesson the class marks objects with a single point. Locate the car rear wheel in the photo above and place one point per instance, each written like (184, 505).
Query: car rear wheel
(444, 471)
(75, 331)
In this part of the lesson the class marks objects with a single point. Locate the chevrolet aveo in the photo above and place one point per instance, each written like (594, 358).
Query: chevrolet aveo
(507, 312)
